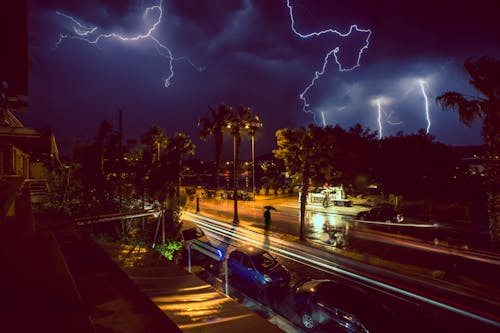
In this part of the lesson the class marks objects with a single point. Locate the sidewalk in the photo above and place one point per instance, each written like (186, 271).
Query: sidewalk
(194, 305)
(55, 278)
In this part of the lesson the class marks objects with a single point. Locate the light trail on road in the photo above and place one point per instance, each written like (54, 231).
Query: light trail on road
(299, 254)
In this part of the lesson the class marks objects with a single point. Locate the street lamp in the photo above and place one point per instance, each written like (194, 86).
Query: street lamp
(235, 130)
(252, 127)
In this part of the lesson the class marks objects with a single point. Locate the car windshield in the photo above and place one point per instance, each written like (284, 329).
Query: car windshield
(341, 297)
(264, 261)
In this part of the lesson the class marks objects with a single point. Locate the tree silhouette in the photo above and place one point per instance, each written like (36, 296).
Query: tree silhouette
(308, 155)
(215, 126)
(180, 144)
(485, 78)
(237, 123)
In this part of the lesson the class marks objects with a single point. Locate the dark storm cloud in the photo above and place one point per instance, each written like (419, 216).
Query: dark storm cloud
(411, 27)
(105, 14)
(250, 56)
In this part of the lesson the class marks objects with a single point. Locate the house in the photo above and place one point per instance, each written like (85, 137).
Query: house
(27, 155)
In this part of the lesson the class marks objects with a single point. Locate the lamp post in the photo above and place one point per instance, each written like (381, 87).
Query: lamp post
(234, 128)
(252, 126)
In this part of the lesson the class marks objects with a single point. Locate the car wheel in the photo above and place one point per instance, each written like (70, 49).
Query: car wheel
(307, 320)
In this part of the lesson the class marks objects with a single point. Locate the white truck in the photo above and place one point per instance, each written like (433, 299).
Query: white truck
(328, 196)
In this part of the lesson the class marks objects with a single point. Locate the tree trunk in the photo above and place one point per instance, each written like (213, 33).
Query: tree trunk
(303, 200)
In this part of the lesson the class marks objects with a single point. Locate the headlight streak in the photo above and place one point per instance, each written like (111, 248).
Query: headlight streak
(86, 34)
(333, 51)
(317, 262)
(429, 247)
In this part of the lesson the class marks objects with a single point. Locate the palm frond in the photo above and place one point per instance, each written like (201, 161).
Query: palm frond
(468, 110)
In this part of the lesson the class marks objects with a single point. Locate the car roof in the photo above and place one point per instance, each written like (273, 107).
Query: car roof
(250, 250)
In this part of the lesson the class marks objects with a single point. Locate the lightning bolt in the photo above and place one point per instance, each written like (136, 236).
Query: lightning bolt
(323, 118)
(426, 100)
(333, 51)
(87, 34)
(379, 118)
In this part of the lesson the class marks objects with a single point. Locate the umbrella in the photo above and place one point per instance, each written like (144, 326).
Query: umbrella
(269, 207)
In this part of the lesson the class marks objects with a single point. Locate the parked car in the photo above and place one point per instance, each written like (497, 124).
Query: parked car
(383, 213)
(331, 306)
(255, 270)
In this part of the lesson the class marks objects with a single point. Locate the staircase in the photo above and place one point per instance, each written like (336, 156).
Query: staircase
(38, 191)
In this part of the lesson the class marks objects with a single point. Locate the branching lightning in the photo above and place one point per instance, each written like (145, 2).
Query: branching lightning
(388, 117)
(426, 99)
(87, 34)
(333, 51)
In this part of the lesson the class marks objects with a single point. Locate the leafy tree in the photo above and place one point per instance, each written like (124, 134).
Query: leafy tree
(178, 145)
(414, 165)
(485, 78)
(355, 156)
(215, 126)
(155, 140)
(152, 168)
(307, 154)
(98, 168)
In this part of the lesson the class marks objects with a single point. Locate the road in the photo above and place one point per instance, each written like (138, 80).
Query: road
(413, 293)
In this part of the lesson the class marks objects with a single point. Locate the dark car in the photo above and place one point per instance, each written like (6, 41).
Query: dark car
(385, 213)
(327, 305)
(252, 269)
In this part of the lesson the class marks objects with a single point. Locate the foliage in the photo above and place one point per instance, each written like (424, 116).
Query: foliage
(307, 154)
(239, 121)
(485, 78)
(180, 144)
(168, 250)
(414, 165)
(215, 126)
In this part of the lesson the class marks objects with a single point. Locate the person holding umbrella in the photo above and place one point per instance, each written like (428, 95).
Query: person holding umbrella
(267, 217)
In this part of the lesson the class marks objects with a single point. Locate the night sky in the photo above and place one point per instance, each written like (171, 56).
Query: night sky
(246, 53)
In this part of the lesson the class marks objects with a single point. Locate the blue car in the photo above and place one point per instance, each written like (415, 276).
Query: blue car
(256, 271)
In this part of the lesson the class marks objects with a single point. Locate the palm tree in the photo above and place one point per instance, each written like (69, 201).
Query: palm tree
(252, 127)
(155, 139)
(180, 144)
(214, 126)
(485, 78)
(237, 123)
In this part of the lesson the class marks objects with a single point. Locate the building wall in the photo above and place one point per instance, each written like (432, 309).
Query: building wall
(38, 170)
